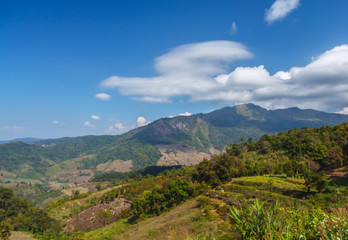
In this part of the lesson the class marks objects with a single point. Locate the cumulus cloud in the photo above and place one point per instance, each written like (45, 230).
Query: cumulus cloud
(16, 128)
(141, 121)
(322, 84)
(280, 9)
(95, 117)
(233, 28)
(103, 96)
(344, 111)
(116, 127)
(199, 72)
(185, 114)
(186, 70)
(88, 124)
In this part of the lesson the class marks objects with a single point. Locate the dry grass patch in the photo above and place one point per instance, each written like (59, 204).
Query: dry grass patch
(176, 224)
(21, 236)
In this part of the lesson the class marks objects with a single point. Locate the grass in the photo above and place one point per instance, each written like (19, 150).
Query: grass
(175, 224)
(21, 236)
(75, 206)
(207, 217)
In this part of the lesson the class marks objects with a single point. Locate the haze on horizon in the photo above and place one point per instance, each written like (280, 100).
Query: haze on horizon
(105, 67)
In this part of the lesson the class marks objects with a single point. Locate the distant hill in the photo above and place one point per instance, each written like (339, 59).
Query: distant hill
(167, 141)
(25, 140)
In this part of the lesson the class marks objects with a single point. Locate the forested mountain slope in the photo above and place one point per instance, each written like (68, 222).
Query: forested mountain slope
(283, 186)
(167, 141)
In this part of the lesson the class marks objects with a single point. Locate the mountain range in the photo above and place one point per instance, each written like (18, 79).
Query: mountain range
(26, 140)
(183, 140)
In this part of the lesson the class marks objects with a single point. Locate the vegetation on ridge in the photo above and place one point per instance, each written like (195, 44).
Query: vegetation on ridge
(255, 190)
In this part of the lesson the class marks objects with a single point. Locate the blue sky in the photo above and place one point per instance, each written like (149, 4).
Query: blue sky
(157, 58)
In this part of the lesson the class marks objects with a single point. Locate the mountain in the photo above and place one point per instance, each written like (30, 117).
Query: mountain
(252, 191)
(25, 140)
(168, 141)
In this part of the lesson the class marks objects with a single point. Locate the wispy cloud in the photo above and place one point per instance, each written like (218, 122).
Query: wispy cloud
(55, 122)
(233, 28)
(88, 124)
(280, 9)
(141, 121)
(103, 96)
(15, 128)
(197, 71)
(95, 117)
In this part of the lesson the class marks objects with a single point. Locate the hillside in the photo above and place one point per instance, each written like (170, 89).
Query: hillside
(66, 163)
(291, 185)
(26, 140)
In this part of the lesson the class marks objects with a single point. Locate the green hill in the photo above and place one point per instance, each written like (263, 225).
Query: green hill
(290, 185)
(59, 163)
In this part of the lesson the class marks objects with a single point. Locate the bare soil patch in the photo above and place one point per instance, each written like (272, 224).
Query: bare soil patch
(99, 215)
(175, 154)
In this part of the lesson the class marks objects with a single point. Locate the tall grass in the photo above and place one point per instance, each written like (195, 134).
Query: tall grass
(260, 221)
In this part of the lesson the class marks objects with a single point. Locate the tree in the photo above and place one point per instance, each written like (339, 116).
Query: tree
(5, 229)
(317, 180)
(335, 156)
(105, 216)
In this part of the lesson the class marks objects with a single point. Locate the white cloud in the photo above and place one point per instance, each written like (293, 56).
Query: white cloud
(344, 111)
(103, 96)
(95, 117)
(116, 127)
(16, 128)
(186, 70)
(233, 28)
(280, 9)
(185, 114)
(119, 126)
(55, 122)
(141, 121)
(322, 84)
(88, 124)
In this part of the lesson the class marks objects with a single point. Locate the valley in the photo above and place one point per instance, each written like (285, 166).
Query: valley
(191, 192)
(61, 166)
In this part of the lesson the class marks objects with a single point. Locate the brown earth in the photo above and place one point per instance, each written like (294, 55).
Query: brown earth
(341, 172)
(117, 166)
(99, 215)
(74, 175)
(176, 154)
(340, 176)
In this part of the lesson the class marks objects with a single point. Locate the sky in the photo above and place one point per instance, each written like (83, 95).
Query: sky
(88, 67)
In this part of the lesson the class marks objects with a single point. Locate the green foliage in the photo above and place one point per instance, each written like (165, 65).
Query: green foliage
(220, 169)
(325, 145)
(18, 214)
(119, 176)
(276, 222)
(157, 200)
(318, 180)
(5, 229)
